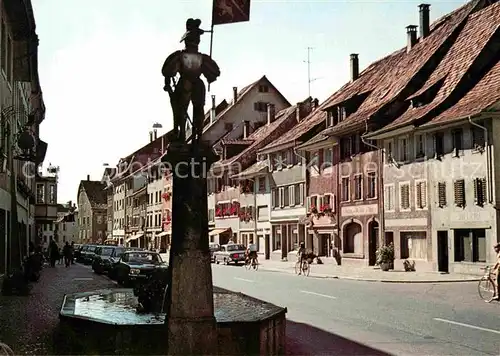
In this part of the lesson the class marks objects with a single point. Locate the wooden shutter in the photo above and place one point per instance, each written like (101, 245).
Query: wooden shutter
(291, 195)
(273, 198)
(405, 196)
(301, 193)
(480, 191)
(387, 203)
(308, 203)
(442, 194)
(459, 190)
(421, 193)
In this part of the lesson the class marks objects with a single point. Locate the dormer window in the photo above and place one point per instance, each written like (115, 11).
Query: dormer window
(341, 113)
(331, 118)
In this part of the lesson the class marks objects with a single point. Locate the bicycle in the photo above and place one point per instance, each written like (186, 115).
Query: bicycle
(487, 287)
(304, 267)
(252, 263)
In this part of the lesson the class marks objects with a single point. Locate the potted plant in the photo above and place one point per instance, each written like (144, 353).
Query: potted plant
(385, 257)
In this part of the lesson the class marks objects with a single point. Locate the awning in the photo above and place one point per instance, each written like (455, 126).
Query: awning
(217, 231)
(164, 233)
(134, 237)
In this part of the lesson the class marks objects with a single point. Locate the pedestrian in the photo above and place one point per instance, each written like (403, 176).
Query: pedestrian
(61, 256)
(496, 272)
(67, 254)
(72, 252)
(53, 253)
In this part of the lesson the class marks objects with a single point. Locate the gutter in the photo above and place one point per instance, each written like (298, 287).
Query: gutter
(489, 177)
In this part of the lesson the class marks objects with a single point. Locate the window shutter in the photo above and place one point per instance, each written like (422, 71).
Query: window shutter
(273, 198)
(282, 197)
(405, 196)
(333, 202)
(483, 186)
(291, 195)
(421, 192)
(459, 190)
(418, 193)
(386, 198)
(301, 193)
(480, 191)
(442, 194)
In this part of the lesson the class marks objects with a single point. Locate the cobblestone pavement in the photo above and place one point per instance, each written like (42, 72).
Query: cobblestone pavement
(369, 274)
(27, 324)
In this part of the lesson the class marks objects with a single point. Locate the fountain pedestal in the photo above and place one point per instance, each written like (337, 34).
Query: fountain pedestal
(190, 305)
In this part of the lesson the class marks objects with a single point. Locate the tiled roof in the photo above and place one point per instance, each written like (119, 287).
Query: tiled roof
(96, 193)
(252, 170)
(475, 38)
(316, 139)
(394, 74)
(485, 94)
(241, 94)
(243, 141)
(266, 134)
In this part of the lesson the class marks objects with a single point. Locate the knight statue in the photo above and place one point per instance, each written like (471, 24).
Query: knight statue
(190, 64)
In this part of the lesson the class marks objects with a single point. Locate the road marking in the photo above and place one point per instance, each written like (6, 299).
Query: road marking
(318, 294)
(467, 325)
(83, 279)
(243, 279)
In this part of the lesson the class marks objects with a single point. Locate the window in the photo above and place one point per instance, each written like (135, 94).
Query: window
(345, 147)
(459, 190)
(480, 191)
(331, 118)
(419, 146)
(478, 139)
(99, 219)
(358, 187)
(298, 194)
(263, 89)
(40, 194)
(345, 189)
(414, 245)
(371, 185)
(286, 196)
(388, 146)
(442, 194)
(404, 198)
(389, 197)
(261, 184)
(439, 144)
(313, 202)
(457, 136)
(327, 157)
(260, 106)
(341, 113)
(403, 149)
(421, 194)
(275, 198)
(282, 197)
(470, 245)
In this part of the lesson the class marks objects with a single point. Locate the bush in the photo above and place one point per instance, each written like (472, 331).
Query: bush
(385, 254)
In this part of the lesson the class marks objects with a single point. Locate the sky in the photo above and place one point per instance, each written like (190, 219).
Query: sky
(100, 63)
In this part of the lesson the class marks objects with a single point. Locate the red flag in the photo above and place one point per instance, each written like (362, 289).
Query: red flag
(230, 11)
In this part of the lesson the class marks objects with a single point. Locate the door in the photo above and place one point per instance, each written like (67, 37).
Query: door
(442, 251)
(267, 246)
(372, 242)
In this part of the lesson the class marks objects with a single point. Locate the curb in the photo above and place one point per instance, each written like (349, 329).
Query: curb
(394, 281)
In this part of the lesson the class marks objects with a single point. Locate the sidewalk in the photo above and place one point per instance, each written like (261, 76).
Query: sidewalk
(27, 324)
(368, 274)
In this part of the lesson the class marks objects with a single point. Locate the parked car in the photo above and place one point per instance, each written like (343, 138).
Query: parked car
(230, 253)
(213, 247)
(112, 266)
(106, 257)
(88, 253)
(76, 251)
(136, 266)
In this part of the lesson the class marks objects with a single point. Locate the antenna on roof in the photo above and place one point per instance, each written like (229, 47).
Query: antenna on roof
(309, 79)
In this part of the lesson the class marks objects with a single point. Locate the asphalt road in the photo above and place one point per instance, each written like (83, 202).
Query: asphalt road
(332, 316)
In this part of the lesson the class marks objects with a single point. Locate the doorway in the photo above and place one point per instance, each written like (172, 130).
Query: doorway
(442, 251)
(372, 242)
(267, 246)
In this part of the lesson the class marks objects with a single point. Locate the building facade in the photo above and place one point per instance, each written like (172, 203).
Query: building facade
(67, 224)
(92, 209)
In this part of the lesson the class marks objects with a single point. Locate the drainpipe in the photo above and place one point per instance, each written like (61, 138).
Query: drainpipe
(380, 182)
(488, 158)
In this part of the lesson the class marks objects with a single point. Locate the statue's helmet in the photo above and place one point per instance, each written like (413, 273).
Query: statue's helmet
(193, 31)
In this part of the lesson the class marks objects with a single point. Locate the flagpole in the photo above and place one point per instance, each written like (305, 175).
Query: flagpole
(211, 44)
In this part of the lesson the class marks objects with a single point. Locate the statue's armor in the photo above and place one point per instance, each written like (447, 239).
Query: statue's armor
(191, 64)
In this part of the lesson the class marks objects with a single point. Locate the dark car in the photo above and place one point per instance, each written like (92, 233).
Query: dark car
(106, 257)
(213, 247)
(136, 266)
(88, 253)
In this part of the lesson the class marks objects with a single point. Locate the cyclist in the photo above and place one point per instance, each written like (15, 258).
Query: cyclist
(496, 269)
(301, 255)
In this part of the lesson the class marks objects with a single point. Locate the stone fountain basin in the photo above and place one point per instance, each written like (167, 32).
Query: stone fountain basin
(106, 322)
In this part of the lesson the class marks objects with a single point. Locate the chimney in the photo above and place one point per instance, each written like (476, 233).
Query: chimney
(88, 177)
(212, 111)
(246, 129)
(270, 113)
(412, 37)
(354, 67)
(297, 111)
(155, 134)
(150, 136)
(424, 20)
(315, 103)
(235, 94)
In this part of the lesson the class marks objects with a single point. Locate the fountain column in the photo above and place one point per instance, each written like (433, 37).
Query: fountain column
(190, 306)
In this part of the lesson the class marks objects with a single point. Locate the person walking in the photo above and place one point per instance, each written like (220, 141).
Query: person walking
(72, 252)
(53, 253)
(67, 254)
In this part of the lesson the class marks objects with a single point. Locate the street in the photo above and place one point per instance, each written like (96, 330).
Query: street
(332, 316)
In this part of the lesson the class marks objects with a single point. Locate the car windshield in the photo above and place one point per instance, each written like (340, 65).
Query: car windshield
(119, 251)
(106, 251)
(144, 257)
(235, 247)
